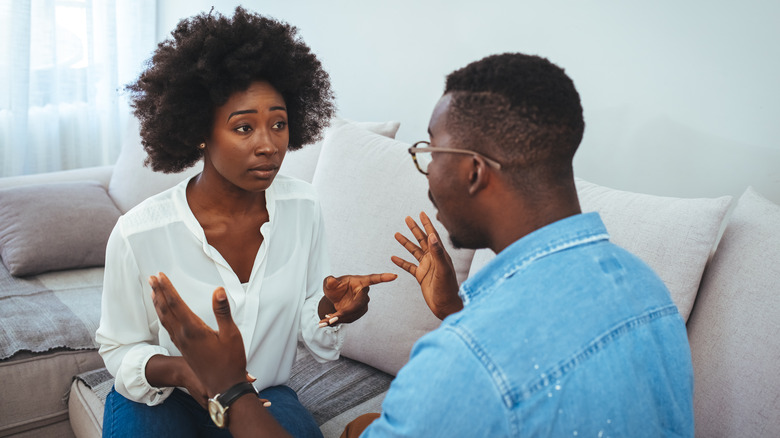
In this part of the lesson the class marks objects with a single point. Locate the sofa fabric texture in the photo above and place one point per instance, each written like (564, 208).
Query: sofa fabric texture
(674, 236)
(52, 227)
(734, 329)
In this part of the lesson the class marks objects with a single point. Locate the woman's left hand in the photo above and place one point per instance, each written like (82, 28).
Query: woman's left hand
(349, 296)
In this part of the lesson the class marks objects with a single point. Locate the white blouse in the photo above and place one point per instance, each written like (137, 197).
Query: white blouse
(273, 310)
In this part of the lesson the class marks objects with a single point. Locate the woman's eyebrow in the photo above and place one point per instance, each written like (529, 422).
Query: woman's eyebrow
(236, 113)
(254, 111)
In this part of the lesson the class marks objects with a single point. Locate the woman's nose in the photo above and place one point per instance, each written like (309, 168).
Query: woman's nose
(265, 144)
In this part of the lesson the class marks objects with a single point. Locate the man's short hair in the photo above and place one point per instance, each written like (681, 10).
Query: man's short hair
(521, 110)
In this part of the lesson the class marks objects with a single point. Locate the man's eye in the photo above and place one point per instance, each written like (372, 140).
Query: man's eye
(243, 129)
(280, 125)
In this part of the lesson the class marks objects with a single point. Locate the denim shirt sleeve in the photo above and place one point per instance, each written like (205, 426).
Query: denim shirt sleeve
(433, 394)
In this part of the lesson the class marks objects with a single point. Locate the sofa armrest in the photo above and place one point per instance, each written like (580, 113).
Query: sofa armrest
(101, 174)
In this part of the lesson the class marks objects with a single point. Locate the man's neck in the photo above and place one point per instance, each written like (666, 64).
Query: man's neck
(515, 217)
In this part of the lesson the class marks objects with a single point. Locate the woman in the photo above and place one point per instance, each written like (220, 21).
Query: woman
(238, 93)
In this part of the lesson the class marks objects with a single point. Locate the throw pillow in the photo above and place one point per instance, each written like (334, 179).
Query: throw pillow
(131, 181)
(302, 163)
(367, 185)
(733, 329)
(674, 236)
(50, 227)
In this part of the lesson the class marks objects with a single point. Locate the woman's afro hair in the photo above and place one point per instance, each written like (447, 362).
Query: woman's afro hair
(207, 59)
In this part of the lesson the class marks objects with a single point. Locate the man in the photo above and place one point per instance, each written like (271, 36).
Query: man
(562, 334)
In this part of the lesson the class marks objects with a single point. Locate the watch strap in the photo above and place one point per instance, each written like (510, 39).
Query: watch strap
(234, 392)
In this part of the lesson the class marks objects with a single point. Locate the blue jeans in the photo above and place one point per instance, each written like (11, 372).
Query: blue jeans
(181, 416)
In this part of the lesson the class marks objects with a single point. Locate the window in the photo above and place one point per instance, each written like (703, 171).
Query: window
(62, 77)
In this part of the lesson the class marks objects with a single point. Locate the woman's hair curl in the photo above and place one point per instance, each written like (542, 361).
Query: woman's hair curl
(207, 59)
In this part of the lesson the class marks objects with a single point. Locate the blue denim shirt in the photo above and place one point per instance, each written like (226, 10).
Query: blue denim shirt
(563, 334)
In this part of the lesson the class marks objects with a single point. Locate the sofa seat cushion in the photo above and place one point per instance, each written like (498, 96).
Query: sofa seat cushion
(46, 338)
(33, 399)
(334, 392)
(734, 329)
(56, 310)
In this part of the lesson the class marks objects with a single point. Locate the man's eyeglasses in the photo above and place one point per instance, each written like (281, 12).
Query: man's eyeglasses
(423, 155)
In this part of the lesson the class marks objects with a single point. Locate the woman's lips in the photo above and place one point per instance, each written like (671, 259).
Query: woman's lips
(264, 172)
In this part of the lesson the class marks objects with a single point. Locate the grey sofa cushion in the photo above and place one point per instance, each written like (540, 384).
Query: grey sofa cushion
(50, 227)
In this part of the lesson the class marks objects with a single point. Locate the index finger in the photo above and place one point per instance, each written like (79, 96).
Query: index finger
(161, 305)
(417, 232)
(170, 302)
(428, 225)
(368, 280)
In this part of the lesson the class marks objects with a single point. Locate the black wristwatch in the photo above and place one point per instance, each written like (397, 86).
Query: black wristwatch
(219, 405)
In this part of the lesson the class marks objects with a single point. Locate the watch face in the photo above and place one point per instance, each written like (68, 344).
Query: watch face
(217, 413)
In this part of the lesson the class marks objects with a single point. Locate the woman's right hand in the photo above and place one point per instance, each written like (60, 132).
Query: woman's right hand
(174, 371)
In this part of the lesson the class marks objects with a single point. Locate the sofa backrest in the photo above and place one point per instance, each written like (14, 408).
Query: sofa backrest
(734, 329)
(674, 236)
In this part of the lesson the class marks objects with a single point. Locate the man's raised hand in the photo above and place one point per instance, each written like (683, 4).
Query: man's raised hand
(434, 270)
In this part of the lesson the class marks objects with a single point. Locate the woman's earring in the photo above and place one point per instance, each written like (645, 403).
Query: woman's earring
(202, 146)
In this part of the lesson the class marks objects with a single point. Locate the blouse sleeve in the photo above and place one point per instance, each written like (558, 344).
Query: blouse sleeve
(128, 324)
(324, 343)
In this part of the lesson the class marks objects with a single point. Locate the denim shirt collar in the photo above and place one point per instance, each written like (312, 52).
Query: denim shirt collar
(572, 231)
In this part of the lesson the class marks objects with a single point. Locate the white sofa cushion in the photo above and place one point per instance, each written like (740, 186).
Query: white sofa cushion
(734, 329)
(368, 184)
(674, 236)
(132, 182)
(302, 163)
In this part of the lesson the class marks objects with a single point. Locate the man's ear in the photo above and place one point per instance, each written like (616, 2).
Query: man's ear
(478, 176)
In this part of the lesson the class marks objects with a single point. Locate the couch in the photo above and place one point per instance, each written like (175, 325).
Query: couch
(720, 258)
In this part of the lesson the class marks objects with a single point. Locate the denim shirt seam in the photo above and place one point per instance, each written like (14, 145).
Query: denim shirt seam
(596, 345)
(511, 270)
(497, 376)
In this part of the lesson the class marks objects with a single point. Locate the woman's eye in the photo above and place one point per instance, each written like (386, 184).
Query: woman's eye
(243, 129)
(280, 125)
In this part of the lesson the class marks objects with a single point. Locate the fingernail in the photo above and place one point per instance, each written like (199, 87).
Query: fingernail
(251, 377)
(323, 324)
(327, 316)
(334, 319)
(266, 404)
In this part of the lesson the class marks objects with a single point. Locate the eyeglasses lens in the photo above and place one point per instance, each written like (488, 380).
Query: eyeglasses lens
(424, 159)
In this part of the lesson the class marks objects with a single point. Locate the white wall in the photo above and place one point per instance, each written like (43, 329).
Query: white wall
(680, 98)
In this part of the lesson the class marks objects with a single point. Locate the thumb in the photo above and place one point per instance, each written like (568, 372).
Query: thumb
(219, 303)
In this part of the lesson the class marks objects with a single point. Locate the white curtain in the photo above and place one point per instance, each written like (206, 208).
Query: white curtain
(63, 68)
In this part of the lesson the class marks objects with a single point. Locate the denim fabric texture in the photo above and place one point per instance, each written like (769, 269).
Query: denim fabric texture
(181, 416)
(563, 334)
